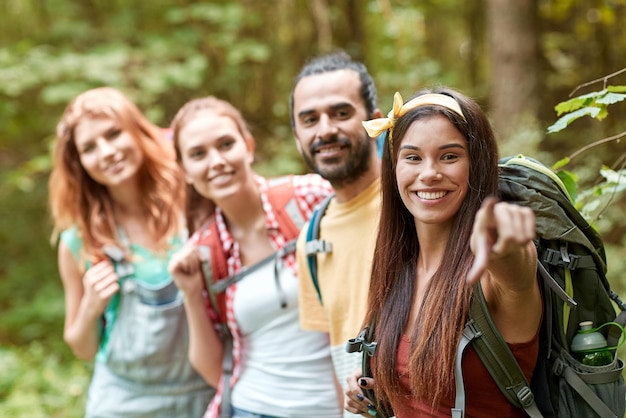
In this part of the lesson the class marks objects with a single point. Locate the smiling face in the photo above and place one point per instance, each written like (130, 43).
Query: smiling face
(109, 154)
(432, 171)
(328, 111)
(215, 156)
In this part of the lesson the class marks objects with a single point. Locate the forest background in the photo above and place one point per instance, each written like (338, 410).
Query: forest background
(519, 58)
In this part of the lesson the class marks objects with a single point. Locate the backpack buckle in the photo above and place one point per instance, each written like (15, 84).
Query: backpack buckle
(471, 330)
(525, 396)
(558, 367)
(561, 259)
(318, 246)
(122, 267)
(290, 247)
(360, 344)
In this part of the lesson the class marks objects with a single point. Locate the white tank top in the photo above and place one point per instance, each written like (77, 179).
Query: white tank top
(286, 372)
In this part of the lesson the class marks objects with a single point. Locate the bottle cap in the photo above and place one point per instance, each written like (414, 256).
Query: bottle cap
(587, 338)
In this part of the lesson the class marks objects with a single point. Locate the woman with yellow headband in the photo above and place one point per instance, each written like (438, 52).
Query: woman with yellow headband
(441, 234)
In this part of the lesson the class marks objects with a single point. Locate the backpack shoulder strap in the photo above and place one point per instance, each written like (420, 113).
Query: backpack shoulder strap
(215, 271)
(221, 285)
(314, 244)
(282, 197)
(365, 344)
(497, 357)
(214, 268)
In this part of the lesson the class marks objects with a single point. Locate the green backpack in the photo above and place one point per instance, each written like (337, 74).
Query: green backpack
(572, 264)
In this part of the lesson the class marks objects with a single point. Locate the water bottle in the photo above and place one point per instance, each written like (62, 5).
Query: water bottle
(590, 347)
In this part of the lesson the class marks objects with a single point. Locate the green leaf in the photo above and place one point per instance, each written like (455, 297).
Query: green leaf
(591, 206)
(569, 118)
(578, 102)
(615, 180)
(560, 164)
(616, 89)
(570, 181)
(611, 98)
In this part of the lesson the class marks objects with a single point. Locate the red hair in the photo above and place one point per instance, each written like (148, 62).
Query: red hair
(75, 199)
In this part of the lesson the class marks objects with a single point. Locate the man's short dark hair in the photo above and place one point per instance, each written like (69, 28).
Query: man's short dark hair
(336, 61)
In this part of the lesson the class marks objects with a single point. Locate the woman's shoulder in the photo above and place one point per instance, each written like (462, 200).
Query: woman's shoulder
(71, 238)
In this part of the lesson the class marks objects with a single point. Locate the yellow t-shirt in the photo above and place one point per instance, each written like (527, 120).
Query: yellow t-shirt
(343, 275)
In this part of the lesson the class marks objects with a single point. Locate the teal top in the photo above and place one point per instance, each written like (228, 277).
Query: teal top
(149, 268)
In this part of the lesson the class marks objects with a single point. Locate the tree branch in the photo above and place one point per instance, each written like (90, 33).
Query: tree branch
(596, 143)
(604, 79)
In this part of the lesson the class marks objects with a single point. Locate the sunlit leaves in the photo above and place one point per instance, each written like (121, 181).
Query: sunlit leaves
(592, 104)
(570, 117)
(590, 200)
(561, 163)
(615, 181)
(595, 198)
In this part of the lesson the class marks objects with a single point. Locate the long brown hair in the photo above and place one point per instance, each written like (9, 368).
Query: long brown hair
(198, 209)
(441, 317)
(75, 199)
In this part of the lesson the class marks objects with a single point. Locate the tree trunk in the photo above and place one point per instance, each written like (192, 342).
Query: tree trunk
(514, 52)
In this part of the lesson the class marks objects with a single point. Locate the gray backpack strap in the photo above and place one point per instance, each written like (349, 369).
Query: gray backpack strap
(213, 288)
(227, 374)
(276, 258)
(587, 394)
(498, 358)
(469, 333)
(123, 267)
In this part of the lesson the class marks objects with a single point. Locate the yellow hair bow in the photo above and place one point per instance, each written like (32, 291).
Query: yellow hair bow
(375, 127)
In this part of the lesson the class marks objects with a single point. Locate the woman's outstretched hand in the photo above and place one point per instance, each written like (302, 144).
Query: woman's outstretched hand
(500, 228)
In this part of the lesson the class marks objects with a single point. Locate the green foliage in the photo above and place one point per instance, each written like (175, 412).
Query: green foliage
(165, 52)
(38, 383)
(32, 296)
(591, 199)
(593, 104)
(570, 181)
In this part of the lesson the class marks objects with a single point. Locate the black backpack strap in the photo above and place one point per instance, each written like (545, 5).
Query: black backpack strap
(554, 285)
(314, 245)
(497, 357)
(364, 344)
(615, 334)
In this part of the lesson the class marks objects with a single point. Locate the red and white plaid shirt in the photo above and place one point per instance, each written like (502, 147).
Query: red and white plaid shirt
(309, 191)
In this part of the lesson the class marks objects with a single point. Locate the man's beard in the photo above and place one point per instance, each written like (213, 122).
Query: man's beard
(354, 166)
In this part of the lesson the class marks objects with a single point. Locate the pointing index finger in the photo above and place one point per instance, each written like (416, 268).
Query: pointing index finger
(482, 239)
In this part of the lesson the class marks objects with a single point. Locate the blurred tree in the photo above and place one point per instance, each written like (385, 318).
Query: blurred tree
(517, 57)
(514, 56)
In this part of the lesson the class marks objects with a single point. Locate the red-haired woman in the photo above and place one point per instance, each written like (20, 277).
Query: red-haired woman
(116, 202)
